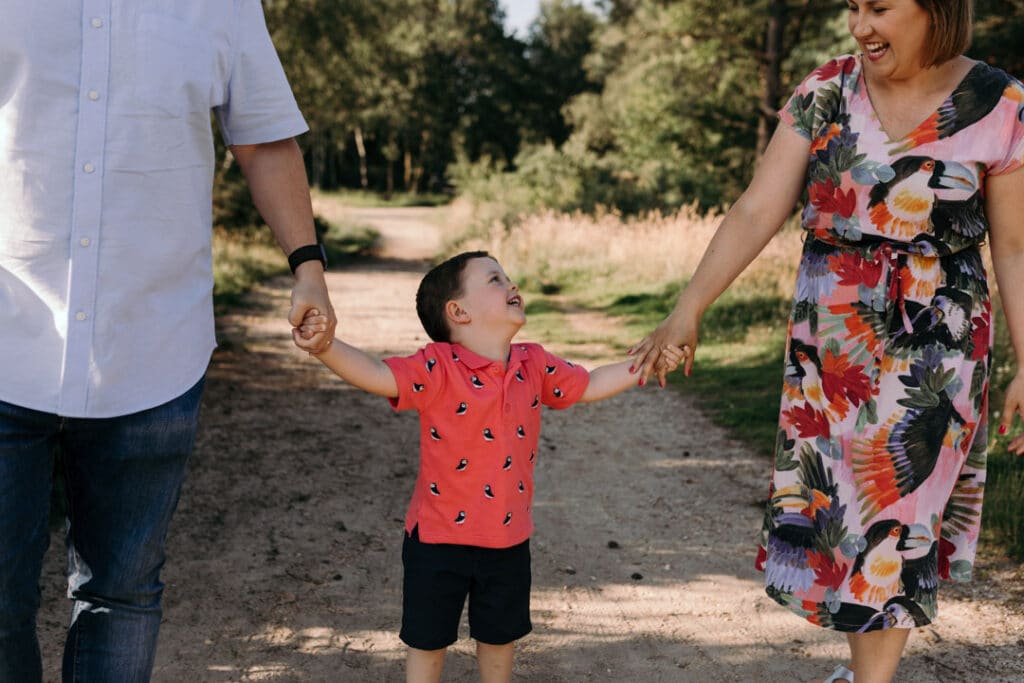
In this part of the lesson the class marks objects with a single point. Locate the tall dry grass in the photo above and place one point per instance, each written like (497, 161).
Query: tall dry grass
(648, 251)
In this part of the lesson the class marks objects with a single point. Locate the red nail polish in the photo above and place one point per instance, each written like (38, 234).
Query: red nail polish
(642, 381)
(631, 369)
(1002, 429)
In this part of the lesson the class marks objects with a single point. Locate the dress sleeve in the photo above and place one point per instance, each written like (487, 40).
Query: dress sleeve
(1013, 98)
(259, 106)
(419, 380)
(564, 382)
(800, 110)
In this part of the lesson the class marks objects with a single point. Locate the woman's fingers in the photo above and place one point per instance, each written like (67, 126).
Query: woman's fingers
(1013, 405)
(640, 353)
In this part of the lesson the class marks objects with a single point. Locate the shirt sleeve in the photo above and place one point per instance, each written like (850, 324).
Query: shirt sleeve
(1013, 98)
(800, 110)
(563, 382)
(419, 380)
(260, 106)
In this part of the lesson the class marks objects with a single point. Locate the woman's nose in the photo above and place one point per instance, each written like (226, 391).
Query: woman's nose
(860, 26)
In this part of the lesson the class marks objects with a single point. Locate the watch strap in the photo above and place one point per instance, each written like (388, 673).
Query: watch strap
(309, 252)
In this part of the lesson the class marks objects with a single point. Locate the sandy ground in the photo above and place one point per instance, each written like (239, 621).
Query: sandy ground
(284, 556)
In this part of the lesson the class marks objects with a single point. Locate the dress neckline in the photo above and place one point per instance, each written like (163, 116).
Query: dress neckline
(862, 82)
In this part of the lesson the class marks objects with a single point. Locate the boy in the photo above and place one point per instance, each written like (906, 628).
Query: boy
(478, 396)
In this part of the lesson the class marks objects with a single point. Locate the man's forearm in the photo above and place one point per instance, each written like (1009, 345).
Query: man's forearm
(277, 180)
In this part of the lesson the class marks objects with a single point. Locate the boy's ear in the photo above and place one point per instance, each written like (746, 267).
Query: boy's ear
(456, 314)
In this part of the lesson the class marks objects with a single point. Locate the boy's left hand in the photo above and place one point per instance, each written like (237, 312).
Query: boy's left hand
(671, 357)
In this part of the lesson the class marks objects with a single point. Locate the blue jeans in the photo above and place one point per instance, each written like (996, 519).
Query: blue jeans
(123, 476)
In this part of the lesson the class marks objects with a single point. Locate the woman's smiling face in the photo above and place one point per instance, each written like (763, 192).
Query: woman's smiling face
(892, 34)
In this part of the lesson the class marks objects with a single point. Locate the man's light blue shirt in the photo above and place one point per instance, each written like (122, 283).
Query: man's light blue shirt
(106, 171)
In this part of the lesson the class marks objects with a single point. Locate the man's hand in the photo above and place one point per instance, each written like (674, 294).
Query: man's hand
(310, 297)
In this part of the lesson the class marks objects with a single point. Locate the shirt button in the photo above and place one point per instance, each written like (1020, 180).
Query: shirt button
(96, 22)
(80, 316)
(84, 241)
(89, 167)
(93, 95)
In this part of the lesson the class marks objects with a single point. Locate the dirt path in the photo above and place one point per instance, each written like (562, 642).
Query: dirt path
(284, 559)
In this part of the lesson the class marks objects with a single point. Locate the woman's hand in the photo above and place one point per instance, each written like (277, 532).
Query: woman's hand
(678, 329)
(1013, 405)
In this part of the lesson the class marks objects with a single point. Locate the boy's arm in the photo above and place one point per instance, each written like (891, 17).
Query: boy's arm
(608, 380)
(359, 369)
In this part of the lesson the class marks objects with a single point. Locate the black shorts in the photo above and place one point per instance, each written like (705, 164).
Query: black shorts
(439, 576)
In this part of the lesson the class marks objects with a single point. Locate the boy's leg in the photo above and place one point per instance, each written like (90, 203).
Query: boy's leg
(495, 662)
(424, 666)
(499, 608)
(435, 582)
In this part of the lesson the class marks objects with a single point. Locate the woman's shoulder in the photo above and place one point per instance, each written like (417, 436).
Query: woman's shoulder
(842, 65)
(842, 71)
(986, 78)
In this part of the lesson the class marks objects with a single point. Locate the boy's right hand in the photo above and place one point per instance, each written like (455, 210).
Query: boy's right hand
(312, 324)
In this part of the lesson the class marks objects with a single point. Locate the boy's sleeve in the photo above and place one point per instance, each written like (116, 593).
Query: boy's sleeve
(419, 380)
(563, 382)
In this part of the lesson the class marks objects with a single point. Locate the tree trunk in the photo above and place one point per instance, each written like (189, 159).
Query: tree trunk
(364, 181)
(772, 67)
(407, 171)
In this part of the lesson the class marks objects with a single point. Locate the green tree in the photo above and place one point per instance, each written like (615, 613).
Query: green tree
(560, 40)
(999, 26)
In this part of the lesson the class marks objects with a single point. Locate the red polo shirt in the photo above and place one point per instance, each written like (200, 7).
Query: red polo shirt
(479, 429)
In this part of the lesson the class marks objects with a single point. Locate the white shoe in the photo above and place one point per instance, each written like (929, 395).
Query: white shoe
(841, 673)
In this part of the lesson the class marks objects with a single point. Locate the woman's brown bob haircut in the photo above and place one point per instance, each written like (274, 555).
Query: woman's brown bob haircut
(950, 35)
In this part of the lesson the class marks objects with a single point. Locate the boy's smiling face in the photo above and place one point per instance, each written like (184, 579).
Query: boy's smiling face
(490, 298)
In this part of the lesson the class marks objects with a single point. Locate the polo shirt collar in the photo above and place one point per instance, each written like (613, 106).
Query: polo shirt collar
(475, 361)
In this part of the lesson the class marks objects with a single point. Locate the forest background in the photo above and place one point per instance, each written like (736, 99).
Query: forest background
(594, 156)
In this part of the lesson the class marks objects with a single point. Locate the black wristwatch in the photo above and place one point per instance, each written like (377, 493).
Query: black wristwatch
(310, 252)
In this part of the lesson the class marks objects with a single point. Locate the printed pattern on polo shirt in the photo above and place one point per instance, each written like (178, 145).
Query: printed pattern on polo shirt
(479, 430)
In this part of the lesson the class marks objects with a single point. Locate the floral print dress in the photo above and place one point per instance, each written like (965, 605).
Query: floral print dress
(880, 459)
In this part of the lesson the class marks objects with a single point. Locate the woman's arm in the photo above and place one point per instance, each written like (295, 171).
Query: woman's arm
(748, 226)
(1004, 205)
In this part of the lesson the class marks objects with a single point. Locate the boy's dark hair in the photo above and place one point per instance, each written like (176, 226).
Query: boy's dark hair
(442, 284)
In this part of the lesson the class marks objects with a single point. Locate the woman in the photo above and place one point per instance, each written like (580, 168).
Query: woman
(911, 155)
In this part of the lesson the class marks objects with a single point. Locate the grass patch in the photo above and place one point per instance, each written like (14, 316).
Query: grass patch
(1002, 517)
(365, 199)
(241, 260)
(737, 374)
(1003, 514)
(345, 243)
(244, 258)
